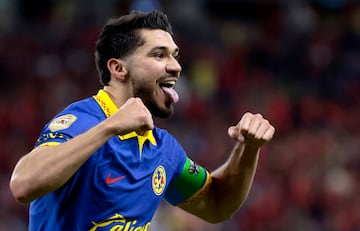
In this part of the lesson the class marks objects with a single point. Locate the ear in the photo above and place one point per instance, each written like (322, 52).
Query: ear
(117, 68)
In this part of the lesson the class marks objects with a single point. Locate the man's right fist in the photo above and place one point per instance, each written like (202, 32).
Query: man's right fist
(132, 116)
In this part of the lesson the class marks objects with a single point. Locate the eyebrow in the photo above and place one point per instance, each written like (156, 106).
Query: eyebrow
(164, 48)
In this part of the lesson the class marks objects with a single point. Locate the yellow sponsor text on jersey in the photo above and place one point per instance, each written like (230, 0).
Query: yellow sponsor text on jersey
(119, 223)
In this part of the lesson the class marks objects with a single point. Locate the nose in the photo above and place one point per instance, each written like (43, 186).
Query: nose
(173, 66)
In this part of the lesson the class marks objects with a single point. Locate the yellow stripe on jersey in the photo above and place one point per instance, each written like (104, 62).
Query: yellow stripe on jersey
(49, 144)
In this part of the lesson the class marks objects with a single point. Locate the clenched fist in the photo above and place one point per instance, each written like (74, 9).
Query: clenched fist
(131, 116)
(252, 130)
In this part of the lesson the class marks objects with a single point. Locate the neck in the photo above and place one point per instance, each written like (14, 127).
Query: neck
(117, 95)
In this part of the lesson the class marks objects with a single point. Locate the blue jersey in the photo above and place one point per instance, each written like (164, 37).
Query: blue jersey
(122, 184)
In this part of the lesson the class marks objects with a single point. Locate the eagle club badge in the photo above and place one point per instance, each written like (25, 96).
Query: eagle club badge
(62, 122)
(159, 180)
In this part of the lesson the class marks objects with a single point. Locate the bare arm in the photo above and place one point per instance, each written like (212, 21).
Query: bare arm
(45, 169)
(232, 181)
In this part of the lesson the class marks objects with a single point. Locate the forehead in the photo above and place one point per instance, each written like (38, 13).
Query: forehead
(157, 38)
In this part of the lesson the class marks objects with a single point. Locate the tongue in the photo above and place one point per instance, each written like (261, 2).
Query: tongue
(171, 93)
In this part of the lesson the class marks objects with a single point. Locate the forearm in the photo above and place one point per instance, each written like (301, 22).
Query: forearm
(45, 169)
(232, 181)
(230, 186)
(236, 176)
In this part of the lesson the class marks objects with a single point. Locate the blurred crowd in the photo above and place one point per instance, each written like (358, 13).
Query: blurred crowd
(296, 62)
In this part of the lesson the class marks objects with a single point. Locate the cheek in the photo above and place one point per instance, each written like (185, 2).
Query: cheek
(144, 76)
(150, 70)
(143, 88)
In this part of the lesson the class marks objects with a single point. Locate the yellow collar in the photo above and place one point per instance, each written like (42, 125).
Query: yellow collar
(109, 108)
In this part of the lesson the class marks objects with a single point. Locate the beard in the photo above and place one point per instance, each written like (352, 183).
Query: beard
(145, 92)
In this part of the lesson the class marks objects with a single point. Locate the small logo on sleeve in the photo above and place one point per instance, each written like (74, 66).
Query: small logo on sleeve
(194, 168)
(62, 122)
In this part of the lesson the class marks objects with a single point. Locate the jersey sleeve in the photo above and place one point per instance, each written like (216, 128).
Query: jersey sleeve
(192, 181)
(71, 122)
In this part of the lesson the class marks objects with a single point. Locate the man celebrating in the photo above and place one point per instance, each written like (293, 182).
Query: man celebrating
(102, 164)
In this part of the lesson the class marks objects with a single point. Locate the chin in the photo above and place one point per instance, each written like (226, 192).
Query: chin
(159, 110)
(163, 113)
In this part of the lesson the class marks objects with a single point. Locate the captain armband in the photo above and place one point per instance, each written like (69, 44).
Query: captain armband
(193, 180)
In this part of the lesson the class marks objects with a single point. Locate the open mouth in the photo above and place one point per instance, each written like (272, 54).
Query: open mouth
(168, 88)
(168, 84)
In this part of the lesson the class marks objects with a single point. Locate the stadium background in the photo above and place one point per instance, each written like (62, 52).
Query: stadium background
(296, 62)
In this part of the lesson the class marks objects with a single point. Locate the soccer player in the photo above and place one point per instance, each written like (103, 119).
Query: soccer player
(102, 164)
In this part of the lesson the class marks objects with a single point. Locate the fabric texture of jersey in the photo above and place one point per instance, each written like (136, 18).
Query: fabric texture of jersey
(121, 185)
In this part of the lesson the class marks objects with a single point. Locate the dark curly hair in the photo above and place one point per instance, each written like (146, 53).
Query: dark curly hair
(120, 37)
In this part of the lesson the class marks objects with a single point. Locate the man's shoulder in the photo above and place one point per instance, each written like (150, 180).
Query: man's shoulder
(83, 114)
(82, 105)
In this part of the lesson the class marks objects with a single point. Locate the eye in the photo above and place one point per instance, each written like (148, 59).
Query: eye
(159, 55)
(176, 56)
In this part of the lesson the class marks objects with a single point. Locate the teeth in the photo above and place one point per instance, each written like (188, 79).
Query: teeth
(168, 83)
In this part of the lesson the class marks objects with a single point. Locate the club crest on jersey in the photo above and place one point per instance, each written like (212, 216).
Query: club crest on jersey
(62, 122)
(159, 180)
